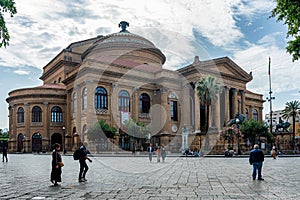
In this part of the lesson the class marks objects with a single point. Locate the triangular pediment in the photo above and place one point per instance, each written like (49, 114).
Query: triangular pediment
(220, 67)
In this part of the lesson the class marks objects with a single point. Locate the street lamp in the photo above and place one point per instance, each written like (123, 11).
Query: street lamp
(237, 121)
(64, 137)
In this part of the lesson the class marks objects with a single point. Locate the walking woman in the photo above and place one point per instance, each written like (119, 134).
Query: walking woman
(163, 152)
(56, 165)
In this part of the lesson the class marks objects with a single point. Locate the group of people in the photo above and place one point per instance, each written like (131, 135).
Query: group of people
(160, 152)
(256, 159)
(57, 164)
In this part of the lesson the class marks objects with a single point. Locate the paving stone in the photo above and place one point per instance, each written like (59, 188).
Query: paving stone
(27, 176)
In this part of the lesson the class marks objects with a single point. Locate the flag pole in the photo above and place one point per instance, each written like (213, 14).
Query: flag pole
(270, 98)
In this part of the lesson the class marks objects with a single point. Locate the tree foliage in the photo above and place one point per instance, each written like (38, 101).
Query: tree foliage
(6, 6)
(135, 129)
(101, 130)
(253, 130)
(288, 11)
(291, 110)
(208, 91)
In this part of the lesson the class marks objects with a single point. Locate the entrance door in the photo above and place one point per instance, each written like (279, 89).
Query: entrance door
(20, 142)
(56, 138)
(36, 142)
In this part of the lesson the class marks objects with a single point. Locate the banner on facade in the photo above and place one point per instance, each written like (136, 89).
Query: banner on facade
(124, 116)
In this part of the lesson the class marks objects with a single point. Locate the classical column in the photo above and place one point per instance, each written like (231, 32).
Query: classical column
(250, 114)
(243, 101)
(227, 104)
(217, 113)
(235, 101)
(197, 111)
(78, 112)
(90, 104)
(68, 112)
(27, 124)
(135, 103)
(260, 109)
(13, 128)
(27, 120)
(46, 124)
(165, 124)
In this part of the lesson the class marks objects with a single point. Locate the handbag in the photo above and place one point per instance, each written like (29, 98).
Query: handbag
(61, 164)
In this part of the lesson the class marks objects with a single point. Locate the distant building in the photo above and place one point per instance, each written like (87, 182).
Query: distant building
(117, 76)
(283, 139)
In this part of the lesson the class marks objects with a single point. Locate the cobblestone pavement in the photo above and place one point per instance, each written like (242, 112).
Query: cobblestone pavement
(26, 176)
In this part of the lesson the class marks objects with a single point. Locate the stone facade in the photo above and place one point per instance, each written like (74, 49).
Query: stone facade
(100, 77)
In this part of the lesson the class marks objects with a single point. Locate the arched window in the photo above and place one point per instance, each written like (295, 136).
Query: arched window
(247, 114)
(56, 114)
(144, 103)
(36, 114)
(124, 101)
(101, 100)
(74, 102)
(255, 115)
(20, 115)
(84, 98)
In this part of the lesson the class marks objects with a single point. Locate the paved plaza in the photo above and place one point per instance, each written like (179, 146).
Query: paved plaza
(26, 176)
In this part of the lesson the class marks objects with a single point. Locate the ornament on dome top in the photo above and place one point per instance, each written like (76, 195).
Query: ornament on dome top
(123, 25)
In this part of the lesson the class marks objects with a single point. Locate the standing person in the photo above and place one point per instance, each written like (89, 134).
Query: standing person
(158, 152)
(4, 154)
(274, 152)
(256, 159)
(150, 150)
(56, 168)
(163, 152)
(83, 166)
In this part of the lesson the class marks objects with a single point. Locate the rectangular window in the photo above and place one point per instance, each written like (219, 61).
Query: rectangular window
(173, 110)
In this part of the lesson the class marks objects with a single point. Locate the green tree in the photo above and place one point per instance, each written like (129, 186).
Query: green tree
(100, 130)
(253, 130)
(135, 129)
(291, 110)
(288, 11)
(208, 91)
(5, 6)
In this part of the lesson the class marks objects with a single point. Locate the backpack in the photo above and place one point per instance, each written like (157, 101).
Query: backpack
(76, 154)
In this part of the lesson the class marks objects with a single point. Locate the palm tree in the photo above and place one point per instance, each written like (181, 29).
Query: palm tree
(208, 91)
(291, 110)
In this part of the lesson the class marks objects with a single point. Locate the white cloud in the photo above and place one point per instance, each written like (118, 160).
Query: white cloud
(283, 70)
(253, 7)
(21, 72)
(39, 31)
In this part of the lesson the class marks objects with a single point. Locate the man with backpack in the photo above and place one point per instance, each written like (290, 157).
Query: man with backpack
(81, 155)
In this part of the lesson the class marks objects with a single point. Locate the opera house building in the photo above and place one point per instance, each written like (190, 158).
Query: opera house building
(118, 77)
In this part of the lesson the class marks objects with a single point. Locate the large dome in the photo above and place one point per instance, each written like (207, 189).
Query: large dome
(125, 46)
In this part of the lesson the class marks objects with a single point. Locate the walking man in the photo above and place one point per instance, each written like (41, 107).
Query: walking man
(256, 159)
(4, 154)
(83, 166)
(150, 150)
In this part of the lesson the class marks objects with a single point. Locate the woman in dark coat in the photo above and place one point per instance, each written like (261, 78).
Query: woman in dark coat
(56, 168)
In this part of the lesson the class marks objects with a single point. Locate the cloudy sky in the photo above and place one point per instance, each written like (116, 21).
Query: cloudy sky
(238, 29)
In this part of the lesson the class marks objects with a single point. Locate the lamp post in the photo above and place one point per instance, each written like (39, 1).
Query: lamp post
(237, 121)
(64, 139)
